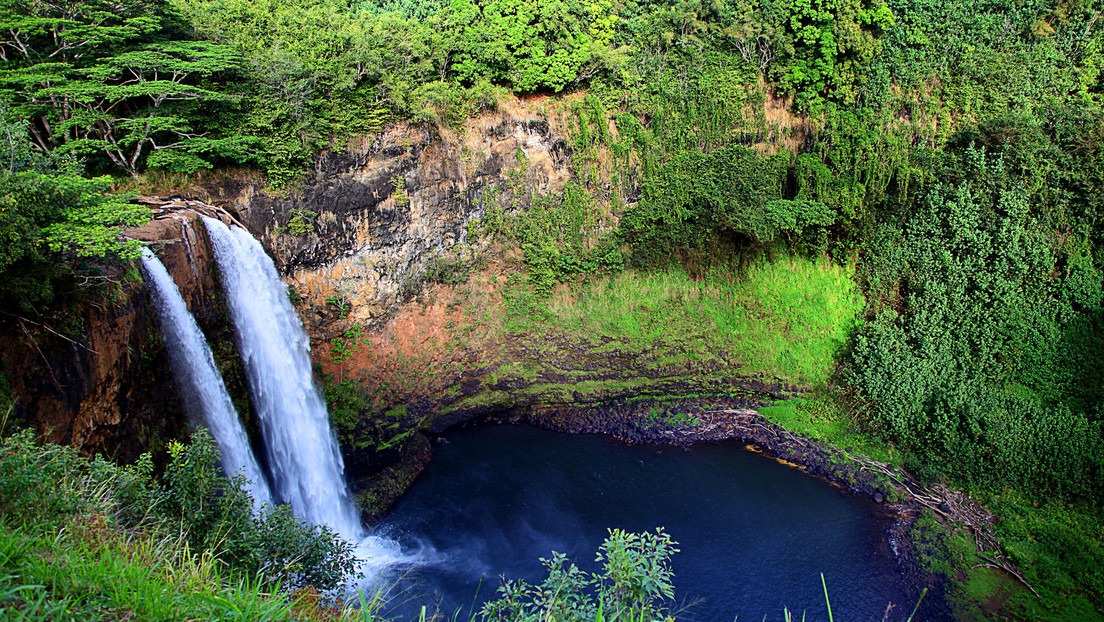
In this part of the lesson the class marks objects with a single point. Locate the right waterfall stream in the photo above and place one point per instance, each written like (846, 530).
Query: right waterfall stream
(304, 460)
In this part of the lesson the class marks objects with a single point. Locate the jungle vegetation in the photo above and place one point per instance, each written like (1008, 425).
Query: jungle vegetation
(949, 154)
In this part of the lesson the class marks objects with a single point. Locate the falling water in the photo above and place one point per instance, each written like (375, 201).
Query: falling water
(303, 456)
(306, 466)
(198, 380)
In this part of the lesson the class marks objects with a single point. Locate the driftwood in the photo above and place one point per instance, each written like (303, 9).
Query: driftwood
(955, 506)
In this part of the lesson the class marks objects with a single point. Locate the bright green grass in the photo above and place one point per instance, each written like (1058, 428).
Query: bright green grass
(1056, 545)
(1060, 549)
(824, 419)
(786, 319)
(82, 540)
(94, 571)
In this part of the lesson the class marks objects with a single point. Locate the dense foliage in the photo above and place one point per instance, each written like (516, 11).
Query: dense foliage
(44, 488)
(106, 79)
(53, 220)
(982, 351)
(948, 154)
(87, 539)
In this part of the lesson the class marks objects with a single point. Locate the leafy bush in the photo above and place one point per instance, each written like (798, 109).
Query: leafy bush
(827, 46)
(634, 584)
(528, 44)
(961, 359)
(732, 191)
(559, 240)
(217, 515)
(43, 487)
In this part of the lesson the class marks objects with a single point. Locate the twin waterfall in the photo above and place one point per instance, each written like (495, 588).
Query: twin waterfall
(304, 463)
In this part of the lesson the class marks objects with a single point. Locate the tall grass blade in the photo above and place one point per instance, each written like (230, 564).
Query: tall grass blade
(923, 593)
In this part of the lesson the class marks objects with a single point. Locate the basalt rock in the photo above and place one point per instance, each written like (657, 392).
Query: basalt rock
(360, 235)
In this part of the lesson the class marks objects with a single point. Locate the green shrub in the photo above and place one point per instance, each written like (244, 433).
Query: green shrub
(695, 195)
(964, 356)
(42, 487)
(217, 514)
(634, 584)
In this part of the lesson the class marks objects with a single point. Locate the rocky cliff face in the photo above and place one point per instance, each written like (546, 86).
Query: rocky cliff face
(99, 378)
(85, 382)
(356, 244)
(355, 241)
(363, 231)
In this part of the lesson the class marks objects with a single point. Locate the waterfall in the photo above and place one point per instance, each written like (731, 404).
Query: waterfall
(303, 456)
(198, 380)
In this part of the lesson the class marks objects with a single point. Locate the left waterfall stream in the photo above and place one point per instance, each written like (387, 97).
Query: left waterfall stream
(199, 382)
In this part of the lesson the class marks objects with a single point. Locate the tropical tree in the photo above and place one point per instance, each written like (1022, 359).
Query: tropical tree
(96, 77)
(532, 45)
(52, 219)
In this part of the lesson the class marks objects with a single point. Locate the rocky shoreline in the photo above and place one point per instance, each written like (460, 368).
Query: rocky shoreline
(697, 421)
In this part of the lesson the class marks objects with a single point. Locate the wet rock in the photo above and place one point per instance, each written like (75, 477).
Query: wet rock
(470, 387)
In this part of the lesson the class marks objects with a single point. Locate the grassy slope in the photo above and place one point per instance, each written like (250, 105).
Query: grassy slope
(68, 553)
(624, 334)
(93, 571)
(785, 319)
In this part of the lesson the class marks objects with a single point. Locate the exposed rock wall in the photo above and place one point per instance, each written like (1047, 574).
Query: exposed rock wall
(78, 377)
(95, 375)
(364, 229)
(360, 233)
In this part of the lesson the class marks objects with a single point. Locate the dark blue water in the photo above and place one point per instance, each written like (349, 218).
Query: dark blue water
(754, 534)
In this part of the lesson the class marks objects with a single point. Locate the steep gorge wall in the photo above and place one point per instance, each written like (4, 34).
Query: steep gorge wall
(356, 243)
(95, 375)
(363, 230)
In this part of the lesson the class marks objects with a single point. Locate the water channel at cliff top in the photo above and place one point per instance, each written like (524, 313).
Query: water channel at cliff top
(754, 534)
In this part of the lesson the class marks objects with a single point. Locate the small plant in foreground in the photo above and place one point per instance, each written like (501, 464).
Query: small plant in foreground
(634, 583)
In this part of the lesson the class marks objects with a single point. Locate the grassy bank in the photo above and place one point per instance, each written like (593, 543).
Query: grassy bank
(85, 539)
(605, 336)
(785, 319)
(89, 570)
